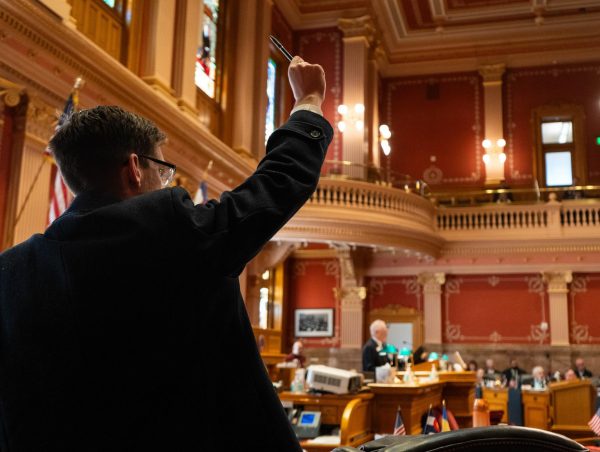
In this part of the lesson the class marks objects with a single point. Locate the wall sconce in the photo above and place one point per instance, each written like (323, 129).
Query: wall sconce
(494, 159)
(354, 116)
(384, 135)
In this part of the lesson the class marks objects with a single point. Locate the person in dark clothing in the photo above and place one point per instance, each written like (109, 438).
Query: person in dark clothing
(108, 320)
(513, 373)
(374, 352)
(420, 355)
(580, 369)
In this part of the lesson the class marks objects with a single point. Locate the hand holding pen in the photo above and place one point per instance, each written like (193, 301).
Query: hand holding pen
(307, 80)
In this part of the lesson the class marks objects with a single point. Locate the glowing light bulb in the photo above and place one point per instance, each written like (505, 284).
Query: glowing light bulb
(341, 126)
(486, 143)
(342, 109)
(486, 159)
(501, 143)
(359, 109)
(502, 157)
(359, 125)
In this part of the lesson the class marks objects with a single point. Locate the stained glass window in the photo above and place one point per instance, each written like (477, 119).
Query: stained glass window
(206, 61)
(271, 89)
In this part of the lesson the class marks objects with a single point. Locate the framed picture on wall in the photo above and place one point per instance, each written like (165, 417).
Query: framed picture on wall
(313, 323)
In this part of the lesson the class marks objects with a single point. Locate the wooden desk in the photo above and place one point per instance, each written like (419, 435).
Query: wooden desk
(497, 399)
(352, 412)
(536, 408)
(414, 400)
(572, 406)
(458, 392)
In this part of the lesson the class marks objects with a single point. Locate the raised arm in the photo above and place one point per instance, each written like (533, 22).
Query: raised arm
(229, 232)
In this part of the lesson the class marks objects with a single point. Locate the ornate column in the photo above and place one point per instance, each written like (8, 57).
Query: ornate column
(351, 296)
(188, 16)
(358, 36)
(248, 99)
(157, 68)
(432, 306)
(557, 300)
(494, 157)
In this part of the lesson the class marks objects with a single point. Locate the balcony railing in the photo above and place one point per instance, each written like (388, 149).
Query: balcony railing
(567, 219)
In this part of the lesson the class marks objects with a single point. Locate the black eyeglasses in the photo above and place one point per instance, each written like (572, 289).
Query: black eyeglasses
(165, 174)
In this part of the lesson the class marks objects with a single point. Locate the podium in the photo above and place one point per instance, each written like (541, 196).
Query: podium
(572, 406)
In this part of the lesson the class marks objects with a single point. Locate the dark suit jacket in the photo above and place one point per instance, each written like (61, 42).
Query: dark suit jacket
(108, 321)
(370, 356)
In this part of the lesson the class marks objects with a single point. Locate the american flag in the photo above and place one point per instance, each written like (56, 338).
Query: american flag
(399, 428)
(61, 197)
(595, 423)
(202, 193)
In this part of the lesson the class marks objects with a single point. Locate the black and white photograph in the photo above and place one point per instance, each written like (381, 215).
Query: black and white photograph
(314, 322)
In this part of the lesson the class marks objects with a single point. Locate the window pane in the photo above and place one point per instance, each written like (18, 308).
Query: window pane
(110, 3)
(271, 85)
(557, 132)
(558, 169)
(206, 61)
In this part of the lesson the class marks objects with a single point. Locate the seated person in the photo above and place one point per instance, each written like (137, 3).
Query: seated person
(539, 379)
(570, 375)
(580, 369)
(296, 354)
(472, 366)
(373, 352)
(421, 355)
(489, 367)
(512, 373)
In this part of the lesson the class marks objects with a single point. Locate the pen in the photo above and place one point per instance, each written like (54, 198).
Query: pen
(279, 45)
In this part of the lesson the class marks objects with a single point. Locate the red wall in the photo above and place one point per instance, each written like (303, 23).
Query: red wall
(528, 88)
(311, 285)
(584, 321)
(394, 290)
(325, 47)
(494, 309)
(439, 116)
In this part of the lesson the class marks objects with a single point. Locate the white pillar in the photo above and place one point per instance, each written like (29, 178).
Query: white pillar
(358, 35)
(557, 299)
(432, 306)
(351, 299)
(492, 88)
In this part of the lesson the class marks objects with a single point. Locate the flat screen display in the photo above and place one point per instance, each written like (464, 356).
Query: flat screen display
(307, 419)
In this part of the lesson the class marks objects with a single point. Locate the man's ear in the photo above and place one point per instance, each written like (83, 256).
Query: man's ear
(133, 171)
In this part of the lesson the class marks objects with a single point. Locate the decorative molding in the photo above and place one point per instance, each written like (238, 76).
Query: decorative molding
(557, 281)
(492, 73)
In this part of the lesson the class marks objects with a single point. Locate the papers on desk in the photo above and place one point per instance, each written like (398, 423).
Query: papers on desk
(329, 440)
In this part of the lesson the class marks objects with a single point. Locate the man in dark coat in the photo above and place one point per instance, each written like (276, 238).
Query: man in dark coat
(374, 353)
(122, 327)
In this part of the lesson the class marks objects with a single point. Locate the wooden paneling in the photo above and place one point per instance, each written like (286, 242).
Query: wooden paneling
(497, 400)
(536, 409)
(98, 24)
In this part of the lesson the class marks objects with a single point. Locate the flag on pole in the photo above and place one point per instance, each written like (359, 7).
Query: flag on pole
(445, 423)
(60, 196)
(595, 423)
(431, 425)
(399, 428)
(202, 192)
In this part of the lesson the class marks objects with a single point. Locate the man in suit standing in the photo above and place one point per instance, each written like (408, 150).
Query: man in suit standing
(108, 319)
(374, 351)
